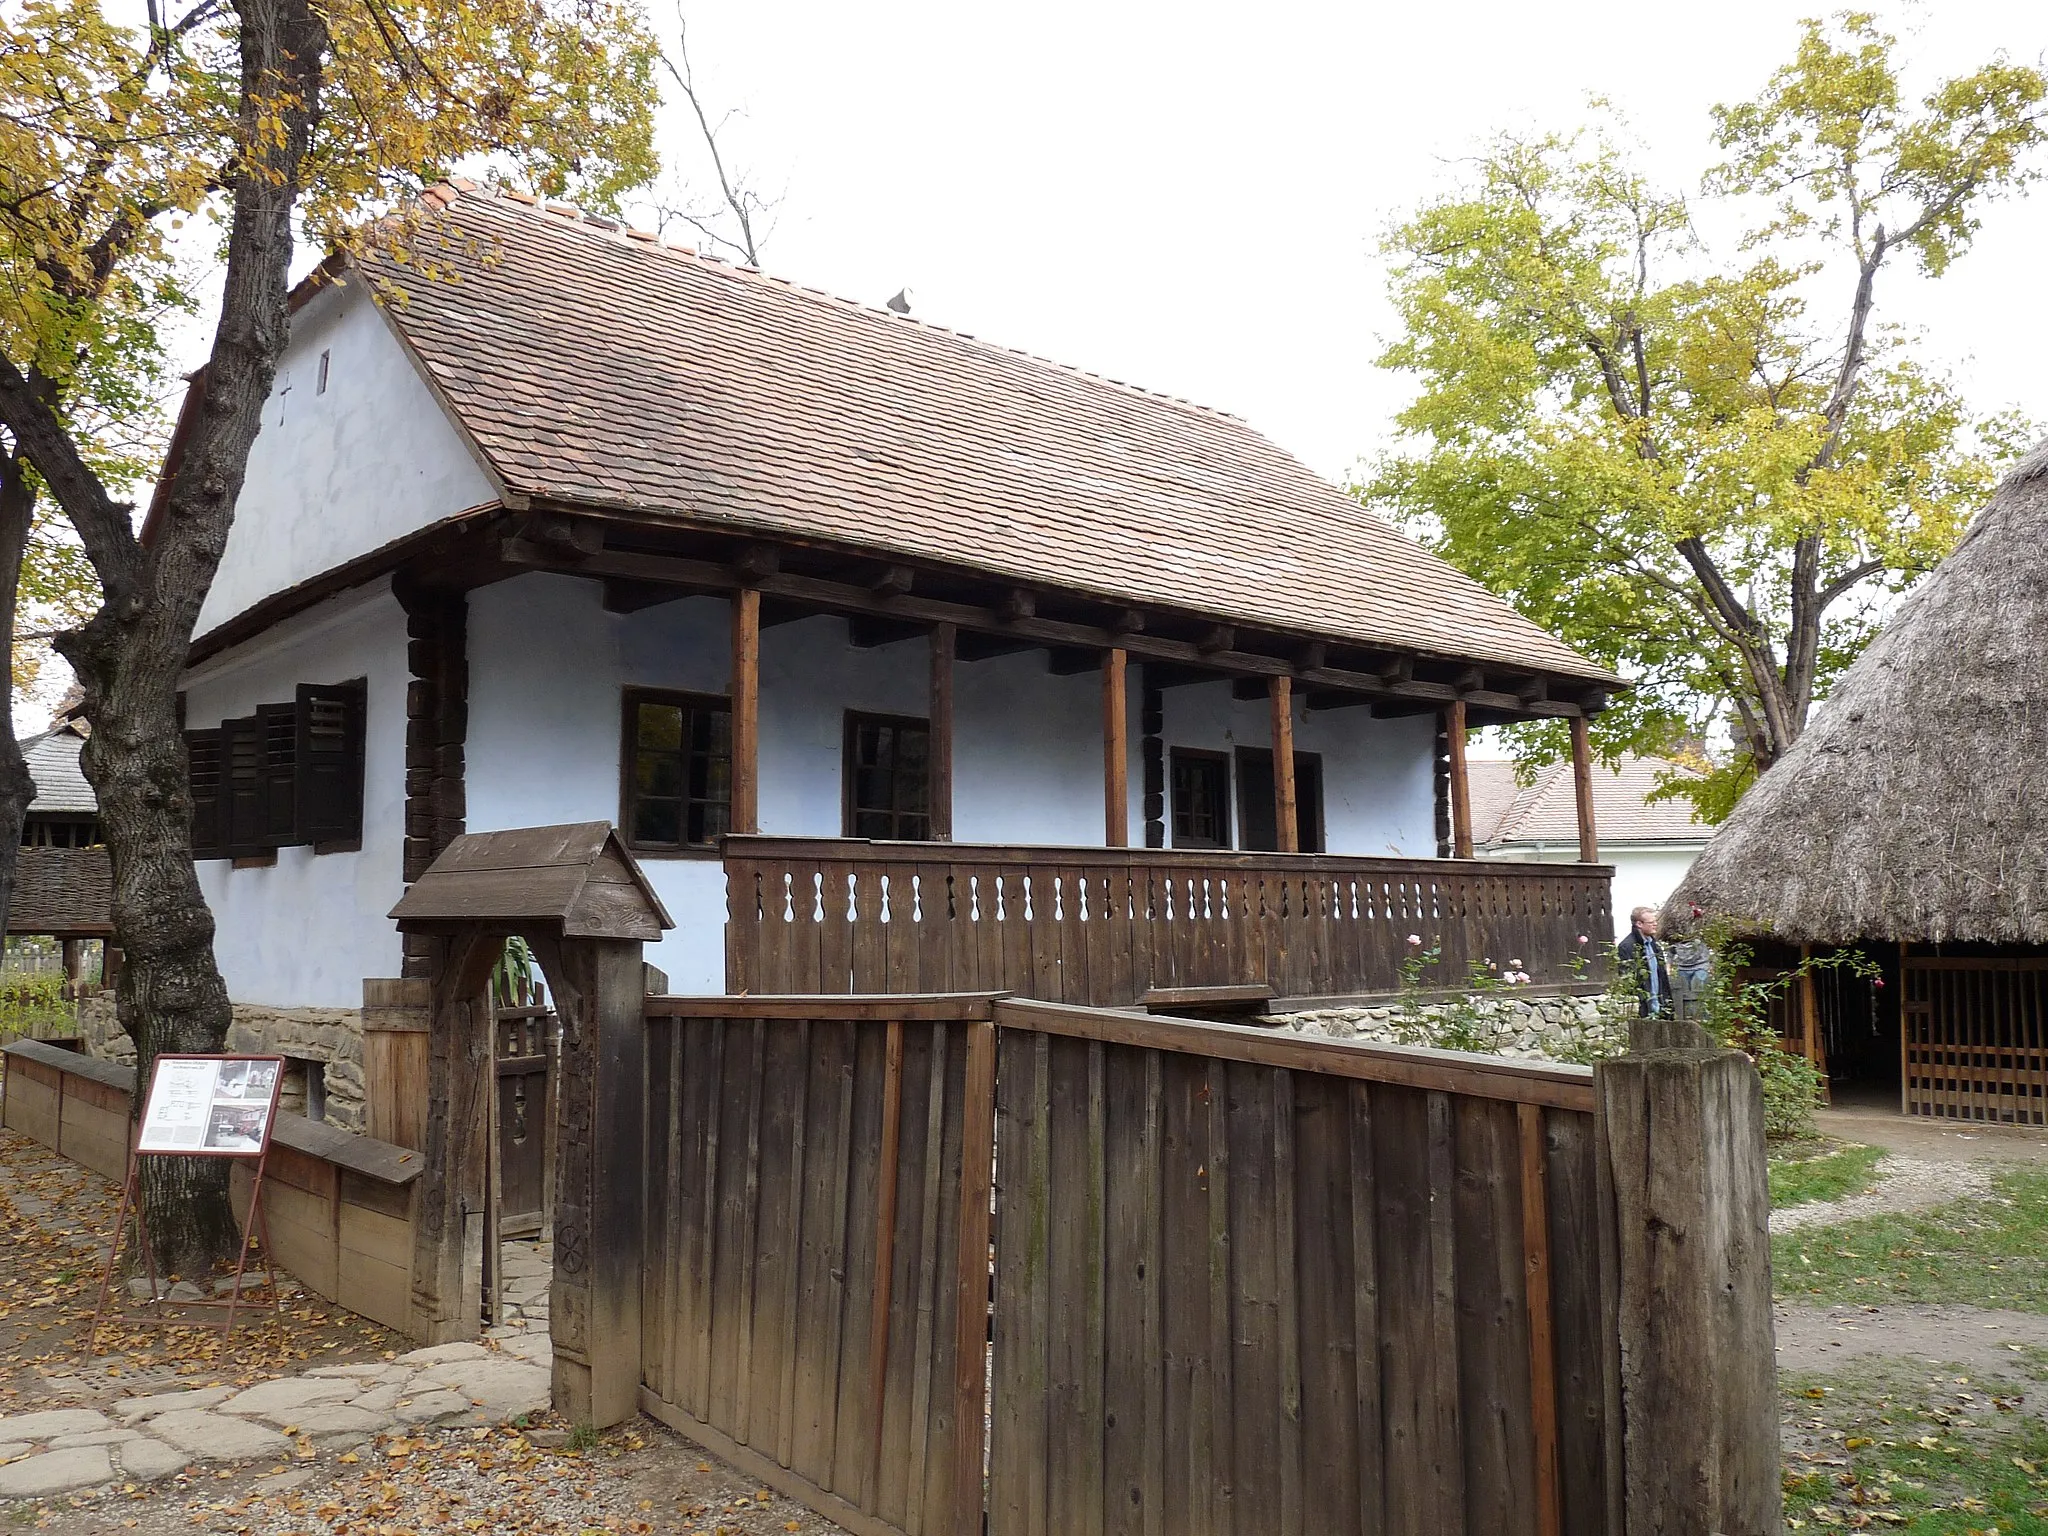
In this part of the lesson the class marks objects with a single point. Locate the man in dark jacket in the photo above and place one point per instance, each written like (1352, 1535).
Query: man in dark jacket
(1643, 959)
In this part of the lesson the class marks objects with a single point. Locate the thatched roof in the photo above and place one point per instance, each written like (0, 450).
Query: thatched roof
(1915, 807)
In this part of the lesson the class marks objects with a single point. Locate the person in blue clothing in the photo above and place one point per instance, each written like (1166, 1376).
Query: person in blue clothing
(1645, 960)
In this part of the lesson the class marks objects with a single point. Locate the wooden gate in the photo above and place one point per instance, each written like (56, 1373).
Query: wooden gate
(524, 1045)
(1975, 1038)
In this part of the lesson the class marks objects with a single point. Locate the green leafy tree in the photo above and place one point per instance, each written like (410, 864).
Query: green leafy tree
(1707, 470)
(268, 121)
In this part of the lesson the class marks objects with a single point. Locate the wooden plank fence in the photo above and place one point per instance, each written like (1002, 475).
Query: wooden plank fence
(1189, 1278)
(816, 1272)
(1291, 1291)
(1103, 926)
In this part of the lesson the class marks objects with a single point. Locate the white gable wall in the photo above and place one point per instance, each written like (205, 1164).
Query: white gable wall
(547, 663)
(337, 473)
(305, 931)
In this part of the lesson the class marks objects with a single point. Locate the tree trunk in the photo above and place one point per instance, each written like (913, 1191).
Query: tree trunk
(130, 656)
(17, 789)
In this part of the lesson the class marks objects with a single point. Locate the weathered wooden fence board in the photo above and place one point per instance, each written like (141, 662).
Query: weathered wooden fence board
(804, 1192)
(1336, 1271)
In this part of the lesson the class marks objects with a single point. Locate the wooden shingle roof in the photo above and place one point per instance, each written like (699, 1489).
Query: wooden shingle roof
(599, 368)
(577, 875)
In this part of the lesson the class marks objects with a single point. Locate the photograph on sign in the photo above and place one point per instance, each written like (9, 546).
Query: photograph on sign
(210, 1105)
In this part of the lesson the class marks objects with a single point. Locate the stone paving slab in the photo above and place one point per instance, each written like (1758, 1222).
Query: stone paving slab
(146, 1460)
(50, 1423)
(53, 1472)
(136, 1409)
(216, 1437)
(336, 1407)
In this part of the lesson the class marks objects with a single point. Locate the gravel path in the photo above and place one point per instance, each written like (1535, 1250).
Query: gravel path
(1903, 1184)
(1977, 1338)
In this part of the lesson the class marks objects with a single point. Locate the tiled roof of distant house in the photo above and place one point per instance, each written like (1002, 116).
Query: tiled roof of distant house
(1546, 811)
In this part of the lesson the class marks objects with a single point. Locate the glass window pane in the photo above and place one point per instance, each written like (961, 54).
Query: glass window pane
(658, 773)
(659, 726)
(657, 821)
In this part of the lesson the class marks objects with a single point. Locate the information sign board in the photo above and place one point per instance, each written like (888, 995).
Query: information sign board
(210, 1106)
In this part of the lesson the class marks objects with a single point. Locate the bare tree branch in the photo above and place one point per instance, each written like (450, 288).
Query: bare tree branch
(741, 202)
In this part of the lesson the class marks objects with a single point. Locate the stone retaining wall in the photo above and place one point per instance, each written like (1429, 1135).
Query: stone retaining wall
(330, 1036)
(1550, 1028)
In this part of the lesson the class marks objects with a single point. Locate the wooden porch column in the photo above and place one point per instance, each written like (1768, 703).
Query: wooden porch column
(1582, 782)
(939, 759)
(1116, 748)
(746, 710)
(1461, 784)
(1286, 823)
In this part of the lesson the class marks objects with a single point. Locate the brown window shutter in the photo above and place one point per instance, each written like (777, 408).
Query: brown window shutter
(329, 761)
(280, 724)
(245, 793)
(203, 767)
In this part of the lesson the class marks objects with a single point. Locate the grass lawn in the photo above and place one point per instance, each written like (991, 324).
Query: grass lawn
(1894, 1445)
(1800, 1180)
(1987, 1253)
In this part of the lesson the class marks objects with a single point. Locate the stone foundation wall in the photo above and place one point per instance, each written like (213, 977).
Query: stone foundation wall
(1577, 1029)
(331, 1036)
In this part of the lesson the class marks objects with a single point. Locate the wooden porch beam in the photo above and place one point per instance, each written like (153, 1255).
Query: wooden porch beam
(1461, 784)
(990, 631)
(939, 755)
(1287, 829)
(1582, 785)
(864, 633)
(746, 710)
(1116, 750)
(631, 596)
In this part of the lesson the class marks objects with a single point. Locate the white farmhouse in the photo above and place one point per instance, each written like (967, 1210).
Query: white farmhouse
(843, 619)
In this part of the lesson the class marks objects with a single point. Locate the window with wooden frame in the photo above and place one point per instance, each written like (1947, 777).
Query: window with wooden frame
(1200, 798)
(287, 775)
(888, 785)
(1256, 810)
(676, 770)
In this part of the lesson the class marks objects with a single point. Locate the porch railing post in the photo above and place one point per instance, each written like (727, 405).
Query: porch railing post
(1461, 784)
(746, 710)
(1116, 746)
(1582, 785)
(939, 755)
(1286, 826)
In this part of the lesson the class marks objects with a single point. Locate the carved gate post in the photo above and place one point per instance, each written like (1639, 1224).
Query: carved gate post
(447, 1265)
(594, 1304)
(586, 909)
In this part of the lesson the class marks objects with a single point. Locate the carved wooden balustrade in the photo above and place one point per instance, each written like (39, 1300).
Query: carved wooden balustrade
(1103, 926)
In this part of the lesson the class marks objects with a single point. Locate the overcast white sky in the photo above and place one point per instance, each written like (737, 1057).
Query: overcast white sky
(1188, 196)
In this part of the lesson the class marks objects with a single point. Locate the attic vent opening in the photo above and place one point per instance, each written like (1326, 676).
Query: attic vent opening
(321, 387)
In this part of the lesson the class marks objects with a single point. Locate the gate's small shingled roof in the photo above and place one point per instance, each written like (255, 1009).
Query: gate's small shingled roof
(1915, 806)
(597, 366)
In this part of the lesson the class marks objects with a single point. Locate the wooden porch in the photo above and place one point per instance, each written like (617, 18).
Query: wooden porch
(1106, 926)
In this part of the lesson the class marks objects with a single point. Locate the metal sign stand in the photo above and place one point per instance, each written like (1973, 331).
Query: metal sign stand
(256, 1224)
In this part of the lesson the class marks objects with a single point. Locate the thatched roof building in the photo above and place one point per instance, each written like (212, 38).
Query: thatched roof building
(1915, 807)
